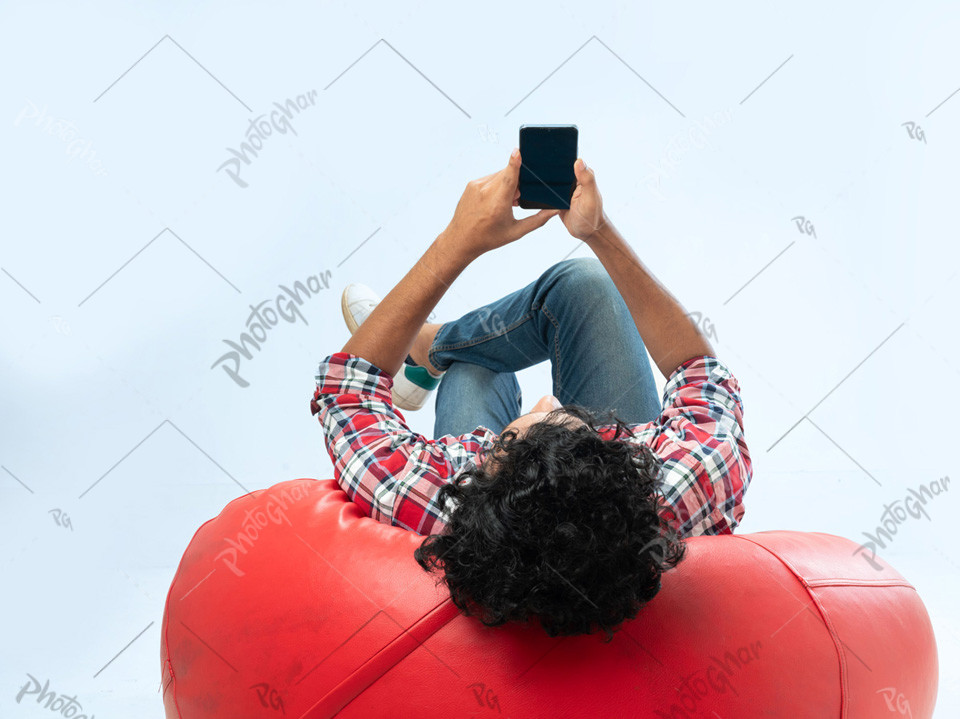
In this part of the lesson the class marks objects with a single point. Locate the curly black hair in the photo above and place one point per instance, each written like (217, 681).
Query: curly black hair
(562, 525)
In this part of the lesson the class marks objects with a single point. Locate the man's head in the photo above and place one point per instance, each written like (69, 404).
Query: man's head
(558, 523)
(548, 409)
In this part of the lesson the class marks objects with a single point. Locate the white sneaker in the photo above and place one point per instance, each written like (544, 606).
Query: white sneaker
(413, 384)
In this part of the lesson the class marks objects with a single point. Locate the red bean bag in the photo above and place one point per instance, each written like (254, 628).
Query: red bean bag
(292, 603)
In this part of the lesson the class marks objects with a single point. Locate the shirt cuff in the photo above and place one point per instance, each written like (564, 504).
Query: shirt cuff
(691, 362)
(345, 373)
(700, 368)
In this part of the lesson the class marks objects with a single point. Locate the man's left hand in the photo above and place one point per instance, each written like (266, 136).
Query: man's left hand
(484, 219)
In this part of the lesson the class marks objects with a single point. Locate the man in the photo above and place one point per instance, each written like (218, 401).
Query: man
(571, 512)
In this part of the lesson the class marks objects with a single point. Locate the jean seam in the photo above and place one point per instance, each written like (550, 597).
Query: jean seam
(556, 344)
(477, 340)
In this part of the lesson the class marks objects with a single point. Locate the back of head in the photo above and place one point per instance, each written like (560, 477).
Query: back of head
(562, 525)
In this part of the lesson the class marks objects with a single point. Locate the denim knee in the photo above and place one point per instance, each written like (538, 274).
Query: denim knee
(583, 279)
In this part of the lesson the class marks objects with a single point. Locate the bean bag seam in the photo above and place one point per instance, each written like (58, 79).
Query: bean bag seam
(368, 673)
(825, 618)
(859, 583)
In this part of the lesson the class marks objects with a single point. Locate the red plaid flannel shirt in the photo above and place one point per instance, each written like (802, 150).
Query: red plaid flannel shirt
(394, 473)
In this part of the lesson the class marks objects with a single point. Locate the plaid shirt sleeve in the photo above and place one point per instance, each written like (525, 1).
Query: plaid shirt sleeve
(391, 472)
(699, 436)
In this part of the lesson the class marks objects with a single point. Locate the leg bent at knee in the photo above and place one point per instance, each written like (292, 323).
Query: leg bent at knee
(584, 281)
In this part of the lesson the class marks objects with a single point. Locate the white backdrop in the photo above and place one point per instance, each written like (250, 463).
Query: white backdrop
(789, 173)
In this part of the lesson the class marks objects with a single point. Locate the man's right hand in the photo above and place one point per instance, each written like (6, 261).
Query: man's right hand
(585, 216)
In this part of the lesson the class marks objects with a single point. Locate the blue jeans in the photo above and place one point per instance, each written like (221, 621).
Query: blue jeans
(572, 315)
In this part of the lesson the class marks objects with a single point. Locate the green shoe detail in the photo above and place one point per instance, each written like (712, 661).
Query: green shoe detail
(421, 377)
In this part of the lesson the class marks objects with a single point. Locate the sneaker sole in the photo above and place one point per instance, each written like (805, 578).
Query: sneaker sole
(347, 314)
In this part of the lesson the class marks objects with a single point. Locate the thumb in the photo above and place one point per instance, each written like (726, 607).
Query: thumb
(511, 173)
(584, 174)
(528, 224)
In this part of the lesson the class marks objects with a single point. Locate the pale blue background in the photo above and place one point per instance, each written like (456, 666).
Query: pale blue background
(845, 343)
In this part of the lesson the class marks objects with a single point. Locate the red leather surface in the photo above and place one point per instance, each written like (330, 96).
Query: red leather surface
(333, 617)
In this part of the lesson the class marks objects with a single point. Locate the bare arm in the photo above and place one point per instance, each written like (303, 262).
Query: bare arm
(385, 337)
(666, 330)
(482, 221)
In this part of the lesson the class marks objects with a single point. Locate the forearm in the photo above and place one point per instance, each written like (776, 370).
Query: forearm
(670, 335)
(386, 336)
